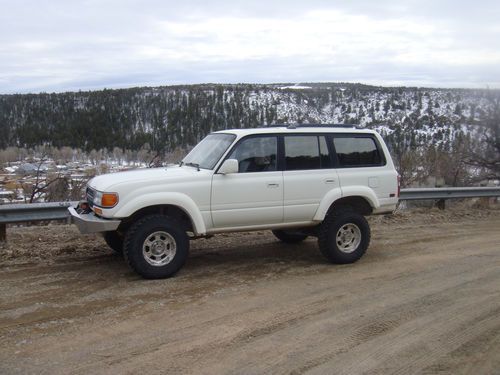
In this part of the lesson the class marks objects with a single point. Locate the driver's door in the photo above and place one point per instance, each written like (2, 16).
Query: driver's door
(254, 195)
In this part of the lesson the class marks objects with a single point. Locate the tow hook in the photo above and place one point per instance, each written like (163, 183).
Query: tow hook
(83, 208)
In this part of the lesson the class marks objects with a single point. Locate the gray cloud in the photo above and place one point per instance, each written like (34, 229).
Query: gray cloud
(60, 45)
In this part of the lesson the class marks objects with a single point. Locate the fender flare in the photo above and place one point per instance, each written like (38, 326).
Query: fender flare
(338, 193)
(179, 200)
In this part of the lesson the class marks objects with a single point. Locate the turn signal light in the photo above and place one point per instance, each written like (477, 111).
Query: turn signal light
(109, 200)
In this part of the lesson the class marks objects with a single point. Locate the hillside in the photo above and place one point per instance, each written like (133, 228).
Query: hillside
(179, 116)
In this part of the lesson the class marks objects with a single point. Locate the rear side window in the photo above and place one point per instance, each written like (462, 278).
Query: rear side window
(357, 152)
(306, 152)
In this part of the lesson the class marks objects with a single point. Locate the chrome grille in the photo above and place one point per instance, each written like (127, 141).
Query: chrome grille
(90, 196)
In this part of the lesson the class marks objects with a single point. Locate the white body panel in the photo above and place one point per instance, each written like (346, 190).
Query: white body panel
(304, 191)
(242, 199)
(184, 187)
(248, 201)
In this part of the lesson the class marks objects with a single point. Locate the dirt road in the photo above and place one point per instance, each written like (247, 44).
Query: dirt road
(424, 299)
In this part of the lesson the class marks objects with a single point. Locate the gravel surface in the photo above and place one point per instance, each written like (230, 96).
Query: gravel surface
(424, 299)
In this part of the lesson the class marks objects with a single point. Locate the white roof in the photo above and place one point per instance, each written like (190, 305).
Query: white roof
(298, 129)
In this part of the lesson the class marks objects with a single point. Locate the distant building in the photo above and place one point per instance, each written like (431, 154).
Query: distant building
(6, 196)
(28, 168)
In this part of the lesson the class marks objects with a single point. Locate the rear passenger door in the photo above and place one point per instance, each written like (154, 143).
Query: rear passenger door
(307, 176)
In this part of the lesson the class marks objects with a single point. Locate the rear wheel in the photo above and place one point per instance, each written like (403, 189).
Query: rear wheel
(288, 236)
(344, 236)
(156, 247)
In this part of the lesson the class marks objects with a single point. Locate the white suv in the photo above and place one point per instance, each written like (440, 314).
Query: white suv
(297, 181)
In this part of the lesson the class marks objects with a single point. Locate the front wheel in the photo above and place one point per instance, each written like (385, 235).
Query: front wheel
(115, 241)
(156, 247)
(344, 237)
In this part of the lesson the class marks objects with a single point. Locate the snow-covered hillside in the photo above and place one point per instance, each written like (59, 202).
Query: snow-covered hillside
(172, 116)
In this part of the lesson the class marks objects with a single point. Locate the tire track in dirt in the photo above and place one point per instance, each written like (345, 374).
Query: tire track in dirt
(406, 340)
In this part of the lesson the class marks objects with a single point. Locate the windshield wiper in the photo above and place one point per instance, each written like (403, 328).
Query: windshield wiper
(196, 165)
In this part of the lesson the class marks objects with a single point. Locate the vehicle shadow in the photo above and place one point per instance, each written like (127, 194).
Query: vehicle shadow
(260, 256)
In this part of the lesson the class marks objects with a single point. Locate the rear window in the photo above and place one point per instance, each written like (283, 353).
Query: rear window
(357, 152)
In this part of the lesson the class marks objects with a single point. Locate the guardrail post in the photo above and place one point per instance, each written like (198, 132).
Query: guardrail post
(441, 204)
(3, 232)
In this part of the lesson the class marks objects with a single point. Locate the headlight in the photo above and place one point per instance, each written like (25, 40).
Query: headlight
(106, 200)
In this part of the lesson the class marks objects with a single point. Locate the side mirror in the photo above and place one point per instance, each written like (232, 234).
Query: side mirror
(229, 166)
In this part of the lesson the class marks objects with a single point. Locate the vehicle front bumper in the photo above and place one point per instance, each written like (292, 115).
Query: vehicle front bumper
(90, 223)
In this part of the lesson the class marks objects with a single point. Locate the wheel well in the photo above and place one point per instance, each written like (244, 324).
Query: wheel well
(359, 204)
(165, 209)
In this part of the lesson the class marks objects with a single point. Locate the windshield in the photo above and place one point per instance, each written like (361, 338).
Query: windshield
(208, 152)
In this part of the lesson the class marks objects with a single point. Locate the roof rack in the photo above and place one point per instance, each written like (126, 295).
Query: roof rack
(295, 126)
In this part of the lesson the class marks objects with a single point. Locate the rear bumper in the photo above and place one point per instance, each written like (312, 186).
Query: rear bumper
(385, 209)
(89, 223)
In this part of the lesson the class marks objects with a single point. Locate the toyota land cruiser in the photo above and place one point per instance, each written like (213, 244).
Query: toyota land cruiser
(298, 181)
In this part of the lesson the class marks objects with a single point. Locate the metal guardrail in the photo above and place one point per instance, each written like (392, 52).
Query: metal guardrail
(19, 213)
(26, 212)
(448, 193)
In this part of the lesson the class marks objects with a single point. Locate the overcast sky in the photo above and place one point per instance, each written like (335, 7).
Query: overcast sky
(81, 45)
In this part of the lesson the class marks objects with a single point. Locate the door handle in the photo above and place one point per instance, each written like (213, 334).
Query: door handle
(273, 185)
(330, 181)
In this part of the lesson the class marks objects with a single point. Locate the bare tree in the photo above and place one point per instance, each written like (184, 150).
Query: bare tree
(36, 189)
(103, 168)
(156, 160)
(131, 157)
(66, 154)
(93, 157)
(118, 155)
(77, 189)
(486, 157)
(58, 190)
(9, 155)
(176, 155)
(409, 166)
(143, 155)
(450, 165)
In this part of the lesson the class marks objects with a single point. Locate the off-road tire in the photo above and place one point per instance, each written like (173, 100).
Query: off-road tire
(115, 241)
(344, 218)
(140, 232)
(289, 236)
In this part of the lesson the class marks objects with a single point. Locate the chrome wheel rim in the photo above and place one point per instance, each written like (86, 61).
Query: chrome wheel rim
(159, 248)
(348, 238)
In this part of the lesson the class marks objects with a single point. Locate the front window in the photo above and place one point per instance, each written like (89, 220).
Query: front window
(208, 152)
(256, 154)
